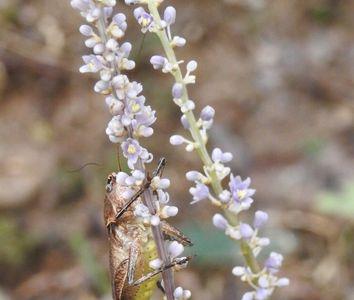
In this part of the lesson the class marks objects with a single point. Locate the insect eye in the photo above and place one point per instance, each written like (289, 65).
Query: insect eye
(109, 188)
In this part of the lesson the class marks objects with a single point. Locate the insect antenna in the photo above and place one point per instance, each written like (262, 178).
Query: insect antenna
(84, 166)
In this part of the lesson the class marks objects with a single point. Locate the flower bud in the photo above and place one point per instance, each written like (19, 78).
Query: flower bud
(192, 66)
(207, 113)
(185, 122)
(86, 30)
(169, 15)
(156, 264)
(220, 222)
(260, 218)
(176, 140)
(175, 249)
(158, 61)
(177, 90)
(246, 231)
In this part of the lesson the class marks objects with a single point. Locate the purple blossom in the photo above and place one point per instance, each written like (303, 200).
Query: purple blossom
(93, 64)
(142, 122)
(118, 25)
(241, 193)
(274, 262)
(145, 20)
(87, 8)
(115, 106)
(115, 130)
(199, 192)
(158, 62)
(131, 151)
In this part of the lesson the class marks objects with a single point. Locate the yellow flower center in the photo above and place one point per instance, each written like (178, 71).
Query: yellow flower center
(131, 149)
(91, 66)
(135, 107)
(145, 22)
(241, 194)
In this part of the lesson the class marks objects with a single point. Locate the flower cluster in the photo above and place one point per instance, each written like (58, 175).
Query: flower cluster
(209, 184)
(131, 117)
(158, 185)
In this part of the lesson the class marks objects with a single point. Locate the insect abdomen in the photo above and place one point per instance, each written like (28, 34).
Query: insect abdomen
(147, 288)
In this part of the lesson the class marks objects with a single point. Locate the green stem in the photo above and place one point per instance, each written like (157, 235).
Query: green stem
(195, 132)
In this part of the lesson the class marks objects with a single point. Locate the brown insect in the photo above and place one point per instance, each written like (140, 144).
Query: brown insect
(131, 244)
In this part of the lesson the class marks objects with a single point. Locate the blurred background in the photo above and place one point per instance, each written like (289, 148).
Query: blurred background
(280, 74)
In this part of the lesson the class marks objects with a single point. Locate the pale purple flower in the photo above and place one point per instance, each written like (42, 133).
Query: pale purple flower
(145, 20)
(199, 192)
(141, 211)
(102, 87)
(118, 25)
(133, 108)
(115, 106)
(115, 130)
(121, 84)
(87, 8)
(131, 151)
(142, 122)
(93, 64)
(241, 193)
(274, 262)
(158, 61)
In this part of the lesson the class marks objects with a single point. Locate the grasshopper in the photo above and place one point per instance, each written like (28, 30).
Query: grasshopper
(131, 246)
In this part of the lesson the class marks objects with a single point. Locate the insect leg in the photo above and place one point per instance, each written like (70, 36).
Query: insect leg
(160, 167)
(172, 233)
(131, 201)
(119, 279)
(175, 263)
(160, 287)
(157, 172)
(133, 258)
